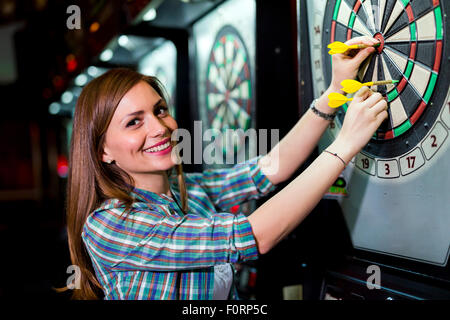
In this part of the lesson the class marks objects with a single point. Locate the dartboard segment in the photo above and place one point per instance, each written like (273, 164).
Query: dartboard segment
(229, 97)
(411, 33)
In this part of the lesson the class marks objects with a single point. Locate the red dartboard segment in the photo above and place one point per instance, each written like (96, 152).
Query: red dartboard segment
(412, 53)
(418, 112)
(357, 6)
(333, 30)
(402, 85)
(437, 62)
(389, 135)
(410, 13)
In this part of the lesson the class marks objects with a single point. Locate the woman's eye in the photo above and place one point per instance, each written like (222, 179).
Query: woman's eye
(133, 122)
(161, 111)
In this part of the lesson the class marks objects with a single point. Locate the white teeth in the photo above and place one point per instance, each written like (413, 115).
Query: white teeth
(159, 148)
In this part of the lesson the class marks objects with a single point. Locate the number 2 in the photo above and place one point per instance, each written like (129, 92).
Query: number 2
(433, 144)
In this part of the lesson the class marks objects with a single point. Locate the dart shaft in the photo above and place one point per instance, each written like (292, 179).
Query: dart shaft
(379, 83)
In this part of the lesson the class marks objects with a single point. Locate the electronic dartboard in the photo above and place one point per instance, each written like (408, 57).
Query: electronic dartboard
(225, 49)
(398, 185)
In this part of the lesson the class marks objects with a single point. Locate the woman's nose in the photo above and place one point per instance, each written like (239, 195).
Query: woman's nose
(156, 127)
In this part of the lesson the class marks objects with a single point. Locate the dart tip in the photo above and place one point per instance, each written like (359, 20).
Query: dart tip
(377, 45)
(395, 81)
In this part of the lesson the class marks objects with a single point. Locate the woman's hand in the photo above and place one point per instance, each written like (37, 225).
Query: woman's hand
(346, 65)
(364, 115)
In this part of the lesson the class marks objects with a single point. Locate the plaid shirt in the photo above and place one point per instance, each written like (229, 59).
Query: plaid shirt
(157, 252)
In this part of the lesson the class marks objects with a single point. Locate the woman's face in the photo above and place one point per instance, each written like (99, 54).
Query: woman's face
(138, 137)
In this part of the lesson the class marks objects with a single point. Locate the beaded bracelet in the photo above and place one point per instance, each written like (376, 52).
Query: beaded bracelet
(336, 155)
(326, 116)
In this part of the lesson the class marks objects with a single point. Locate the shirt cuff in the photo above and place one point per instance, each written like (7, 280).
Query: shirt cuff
(244, 240)
(262, 183)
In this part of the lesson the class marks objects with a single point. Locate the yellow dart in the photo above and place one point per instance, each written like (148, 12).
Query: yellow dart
(340, 47)
(337, 100)
(351, 86)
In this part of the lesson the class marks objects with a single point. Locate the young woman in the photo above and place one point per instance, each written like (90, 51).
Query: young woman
(141, 229)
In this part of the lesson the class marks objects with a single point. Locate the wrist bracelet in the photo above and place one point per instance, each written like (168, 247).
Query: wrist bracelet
(326, 116)
(336, 155)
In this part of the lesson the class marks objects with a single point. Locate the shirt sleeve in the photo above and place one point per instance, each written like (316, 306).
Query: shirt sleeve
(235, 185)
(150, 239)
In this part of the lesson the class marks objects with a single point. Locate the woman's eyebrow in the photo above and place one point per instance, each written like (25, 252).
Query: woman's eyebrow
(139, 112)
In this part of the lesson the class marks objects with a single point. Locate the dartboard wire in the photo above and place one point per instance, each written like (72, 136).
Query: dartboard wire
(363, 6)
(398, 4)
(236, 52)
(239, 81)
(422, 97)
(217, 81)
(222, 66)
(414, 62)
(228, 63)
(381, 8)
(236, 69)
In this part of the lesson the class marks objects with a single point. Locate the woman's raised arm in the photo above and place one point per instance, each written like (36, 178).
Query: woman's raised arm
(288, 155)
(277, 217)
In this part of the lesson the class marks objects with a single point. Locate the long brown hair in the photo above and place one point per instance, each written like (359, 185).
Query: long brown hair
(91, 181)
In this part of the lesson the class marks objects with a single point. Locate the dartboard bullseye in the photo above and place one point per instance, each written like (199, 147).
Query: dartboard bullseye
(229, 96)
(411, 35)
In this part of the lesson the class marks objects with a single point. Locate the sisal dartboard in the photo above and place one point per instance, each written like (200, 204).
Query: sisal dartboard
(229, 97)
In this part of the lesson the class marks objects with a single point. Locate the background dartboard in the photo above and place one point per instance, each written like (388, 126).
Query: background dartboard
(229, 95)
(412, 37)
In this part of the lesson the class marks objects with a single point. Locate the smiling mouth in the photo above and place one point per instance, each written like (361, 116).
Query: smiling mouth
(158, 148)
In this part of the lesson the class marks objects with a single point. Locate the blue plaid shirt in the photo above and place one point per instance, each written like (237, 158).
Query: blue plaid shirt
(157, 252)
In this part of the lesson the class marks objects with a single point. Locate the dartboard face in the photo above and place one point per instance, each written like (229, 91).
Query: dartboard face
(229, 94)
(411, 35)
(395, 182)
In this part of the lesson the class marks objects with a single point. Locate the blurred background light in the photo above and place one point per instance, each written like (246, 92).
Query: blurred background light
(92, 71)
(149, 15)
(54, 108)
(123, 40)
(81, 80)
(106, 55)
(67, 97)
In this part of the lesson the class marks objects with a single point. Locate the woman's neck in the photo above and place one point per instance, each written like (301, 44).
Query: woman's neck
(154, 182)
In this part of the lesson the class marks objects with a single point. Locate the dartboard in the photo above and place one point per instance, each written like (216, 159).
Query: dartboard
(397, 185)
(229, 97)
(411, 51)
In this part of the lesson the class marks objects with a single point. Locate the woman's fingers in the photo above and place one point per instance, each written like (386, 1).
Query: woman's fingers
(362, 40)
(363, 54)
(373, 99)
(362, 94)
(379, 107)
